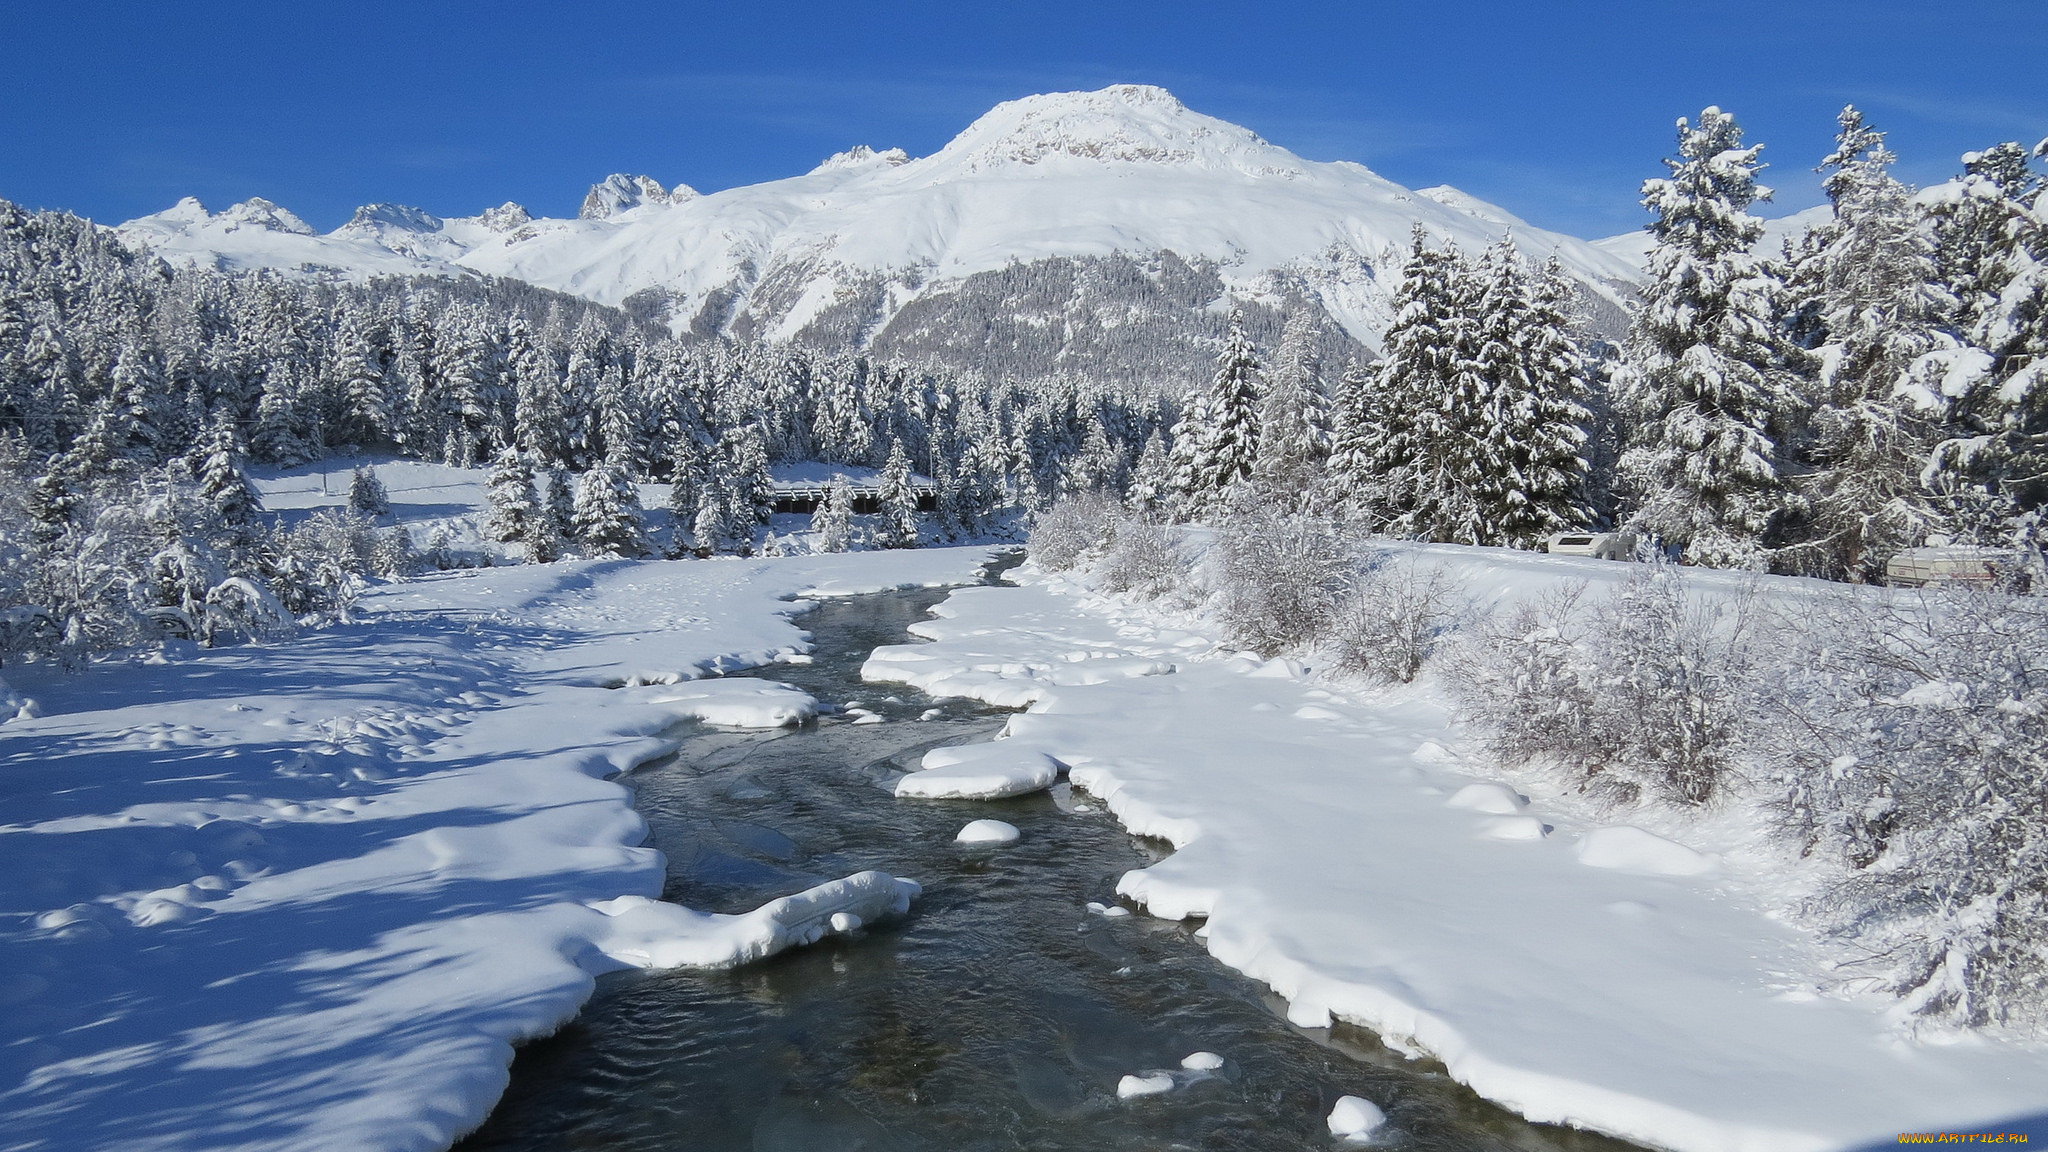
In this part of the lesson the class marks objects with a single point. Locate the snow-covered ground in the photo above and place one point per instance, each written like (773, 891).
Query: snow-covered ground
(1350, 851)
(307, 895)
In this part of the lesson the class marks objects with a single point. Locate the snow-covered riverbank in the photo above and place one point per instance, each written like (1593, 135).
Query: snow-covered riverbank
(306, 895)
(1350, 853)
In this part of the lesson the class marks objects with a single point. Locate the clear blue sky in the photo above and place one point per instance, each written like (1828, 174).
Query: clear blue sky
(1554, 110)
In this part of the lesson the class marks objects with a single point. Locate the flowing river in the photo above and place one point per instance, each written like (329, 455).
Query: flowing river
(999, 1014)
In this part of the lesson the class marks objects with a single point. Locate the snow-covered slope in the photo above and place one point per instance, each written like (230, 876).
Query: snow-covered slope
(1634, 247)
(1132, 207)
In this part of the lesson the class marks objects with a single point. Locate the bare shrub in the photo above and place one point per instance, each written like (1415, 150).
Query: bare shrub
(1143, 560)
(1077, 526)
(1915, 756)
(1282, 578)
(1640, 694)
(1392, 621)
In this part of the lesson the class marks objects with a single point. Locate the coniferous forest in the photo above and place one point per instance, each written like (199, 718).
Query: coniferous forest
(1873, 386)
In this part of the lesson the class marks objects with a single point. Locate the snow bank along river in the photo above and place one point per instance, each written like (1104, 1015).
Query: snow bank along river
(1341, 850)
(305, 896)
(1017, 1006)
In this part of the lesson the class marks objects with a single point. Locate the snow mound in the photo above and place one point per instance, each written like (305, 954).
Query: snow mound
(1512, 828)
(1201, 1062)
(646, 933)
(987, 832)
(980, 772)
(739, 703)
(1355, 1118)
(1626, 848)
(1493, 799)
(1146, 1084)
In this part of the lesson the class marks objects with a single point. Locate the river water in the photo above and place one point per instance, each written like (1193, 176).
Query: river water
(999, 1015)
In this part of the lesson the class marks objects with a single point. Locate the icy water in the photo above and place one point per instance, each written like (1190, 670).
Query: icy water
(999, 1015)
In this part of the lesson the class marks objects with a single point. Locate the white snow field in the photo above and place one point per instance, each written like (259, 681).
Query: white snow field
(1347, 854)
(306, 895)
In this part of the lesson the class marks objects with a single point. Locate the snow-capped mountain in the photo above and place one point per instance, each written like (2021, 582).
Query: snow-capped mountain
(1097, 232)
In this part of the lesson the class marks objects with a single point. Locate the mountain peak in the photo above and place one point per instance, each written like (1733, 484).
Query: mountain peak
(404, 217)
(256, 212)
(1117, 125)
(862, 156)
(619, 191)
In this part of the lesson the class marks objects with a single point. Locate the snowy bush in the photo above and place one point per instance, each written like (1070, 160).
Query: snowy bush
(1915, 760)
(1076, 527)
(1281, 580)
(1143, 560)
(1640, 695)
(320, 565)
(1394, 618)
(241, 609)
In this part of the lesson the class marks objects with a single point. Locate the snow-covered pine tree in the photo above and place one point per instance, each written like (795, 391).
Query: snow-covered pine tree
(1216, 442)
(832, 521)
(898, 501)
(1151, 479)
(560, 509)
(515, 507)
(607, 519)
(1530, 471)
(1457, 467)
(1877, 311)
(1707, 389)
(1994, 257)
(1977, 220)
(1403, 460)
(359, 382)
(279, 435)
(1295, 421)
(540, 418)
(366, 493)
(1357, 426)
(222, 484)
(686, 483)
(750, 484)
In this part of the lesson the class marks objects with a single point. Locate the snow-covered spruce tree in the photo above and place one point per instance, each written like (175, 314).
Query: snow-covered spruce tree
(686, 485)
(898, 501)
(1528, 476)
(366, 493)
(358, 379)
(1150, 480)
(832, 520)
(559, 512)
(1217, 440)
(1917, 765)
(1552, 455)
(1706, 389)
(1877, 313)
(607, 519)
(222, 483)
(1295, 434)
(1994, 258)
(1979, 222)
(1357, 427)
(515, 507)
(1412, 463)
